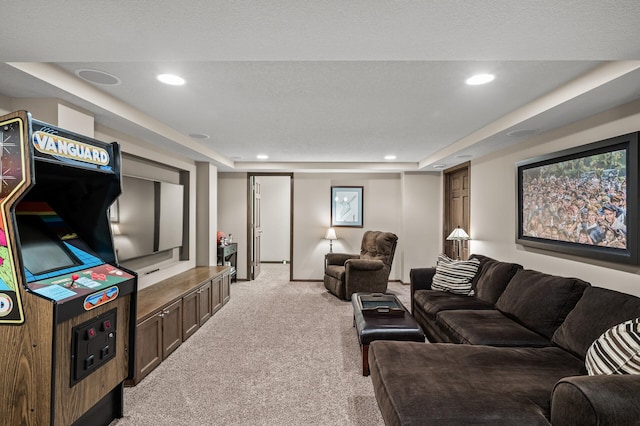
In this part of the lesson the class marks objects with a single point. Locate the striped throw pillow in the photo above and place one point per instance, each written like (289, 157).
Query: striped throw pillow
(617, 351)
(454, 276)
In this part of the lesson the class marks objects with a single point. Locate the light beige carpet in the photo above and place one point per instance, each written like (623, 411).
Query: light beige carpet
(279, 353)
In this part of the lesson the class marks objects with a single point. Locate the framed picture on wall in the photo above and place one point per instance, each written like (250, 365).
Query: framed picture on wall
(582, 201)
(346, 206)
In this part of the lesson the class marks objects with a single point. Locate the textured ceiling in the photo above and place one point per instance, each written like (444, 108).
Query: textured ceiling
(314, 83)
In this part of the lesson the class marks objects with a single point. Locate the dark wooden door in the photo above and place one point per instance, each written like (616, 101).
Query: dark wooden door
(456, 207)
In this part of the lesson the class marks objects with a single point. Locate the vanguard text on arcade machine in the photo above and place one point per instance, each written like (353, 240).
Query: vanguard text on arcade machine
(67, 310)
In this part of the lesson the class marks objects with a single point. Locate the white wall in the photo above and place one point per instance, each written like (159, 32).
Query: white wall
(276, 220)
(206, 214)
(493, 202)
(421, 221)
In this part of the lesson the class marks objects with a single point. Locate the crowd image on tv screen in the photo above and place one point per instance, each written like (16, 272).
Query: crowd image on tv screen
(587, 209)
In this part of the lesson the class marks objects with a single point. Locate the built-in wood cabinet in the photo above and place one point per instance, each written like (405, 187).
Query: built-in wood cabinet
(171, 328)
(204, 303)
(190, 323)
(216, 294)
(148, 345)
(172, 310)
(226, 288)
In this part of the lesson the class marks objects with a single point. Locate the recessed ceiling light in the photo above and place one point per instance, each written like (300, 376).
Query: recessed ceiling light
(262, 157)
(171, 79)
(98, 77)
(389, 157)
(439, 166)
(200, 136)
(480, 79)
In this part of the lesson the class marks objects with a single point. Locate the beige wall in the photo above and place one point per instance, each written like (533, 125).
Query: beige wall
(493, 202)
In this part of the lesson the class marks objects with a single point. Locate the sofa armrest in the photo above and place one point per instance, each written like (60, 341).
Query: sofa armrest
(596, 400)
(421, 279)
(340, 258)
(364, 264)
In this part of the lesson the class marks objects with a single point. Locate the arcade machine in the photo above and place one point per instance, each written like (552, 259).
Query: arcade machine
(67, 309)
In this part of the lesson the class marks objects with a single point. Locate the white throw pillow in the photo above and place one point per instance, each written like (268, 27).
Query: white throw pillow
(617, 351)
(454, 276)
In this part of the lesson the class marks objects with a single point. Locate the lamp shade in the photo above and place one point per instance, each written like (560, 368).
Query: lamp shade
(458, 234)
(331, 234)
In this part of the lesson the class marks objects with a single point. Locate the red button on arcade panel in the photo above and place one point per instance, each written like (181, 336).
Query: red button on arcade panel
(91, 333)
(106, 325)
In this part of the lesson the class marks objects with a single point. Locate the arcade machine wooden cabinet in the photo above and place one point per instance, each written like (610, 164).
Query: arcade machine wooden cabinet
(67, 310)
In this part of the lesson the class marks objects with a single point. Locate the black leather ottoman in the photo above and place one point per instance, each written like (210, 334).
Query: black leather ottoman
(382, 317)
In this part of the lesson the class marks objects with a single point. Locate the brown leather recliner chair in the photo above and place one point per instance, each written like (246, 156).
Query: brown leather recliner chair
(346, 274)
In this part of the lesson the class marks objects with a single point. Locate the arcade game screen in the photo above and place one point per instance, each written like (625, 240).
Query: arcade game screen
(58, 264)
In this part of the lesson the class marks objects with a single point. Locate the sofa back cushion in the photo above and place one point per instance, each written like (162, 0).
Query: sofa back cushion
(598, 310)
(379, 245)
(492, 278)
(539, 301)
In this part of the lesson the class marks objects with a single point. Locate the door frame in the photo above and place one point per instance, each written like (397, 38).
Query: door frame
(446, 174)
(251, 175)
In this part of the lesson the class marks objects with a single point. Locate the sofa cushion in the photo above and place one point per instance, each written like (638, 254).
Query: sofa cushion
(617, 351)
(430, 302)
(450, 384)
(540, 301)
(488, 327)
(598, 310)
(454, 276)
(492, 278)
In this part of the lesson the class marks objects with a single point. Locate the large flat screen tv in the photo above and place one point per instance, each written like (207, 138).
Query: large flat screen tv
(149, 216)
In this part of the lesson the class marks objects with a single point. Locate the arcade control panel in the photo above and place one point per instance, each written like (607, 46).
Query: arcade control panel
(94, 343)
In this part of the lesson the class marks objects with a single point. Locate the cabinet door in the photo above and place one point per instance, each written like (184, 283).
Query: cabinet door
(226, 288)
(216, 294)
(148, 346)
(204, 303)
(190, 316)
(171, 328)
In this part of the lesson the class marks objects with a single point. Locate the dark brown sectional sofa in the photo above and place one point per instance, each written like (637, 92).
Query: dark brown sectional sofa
(512, 354)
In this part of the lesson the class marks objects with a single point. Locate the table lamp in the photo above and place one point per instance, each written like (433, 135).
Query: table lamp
(330, 235)
(458, 235)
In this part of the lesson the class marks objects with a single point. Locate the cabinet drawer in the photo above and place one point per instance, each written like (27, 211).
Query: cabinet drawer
(227, 251)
